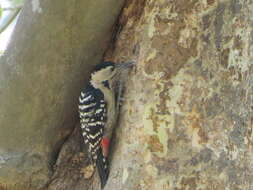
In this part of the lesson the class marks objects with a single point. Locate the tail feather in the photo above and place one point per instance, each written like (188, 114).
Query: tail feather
(103, 168)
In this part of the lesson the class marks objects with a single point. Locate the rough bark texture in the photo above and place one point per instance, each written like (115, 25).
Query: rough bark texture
(53, 47)
(186, 122)
(187, 119)
(70, 168)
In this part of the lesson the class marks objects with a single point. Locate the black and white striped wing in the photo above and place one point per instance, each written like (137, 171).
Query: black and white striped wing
(92, 111)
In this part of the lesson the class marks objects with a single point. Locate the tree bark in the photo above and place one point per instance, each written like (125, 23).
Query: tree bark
(187, 119)
(186, 122)
(54, 45)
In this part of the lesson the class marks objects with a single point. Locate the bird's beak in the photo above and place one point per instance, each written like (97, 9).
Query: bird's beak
(125, 65)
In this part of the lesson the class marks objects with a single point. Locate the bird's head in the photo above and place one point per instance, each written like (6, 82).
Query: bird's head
(105, 72)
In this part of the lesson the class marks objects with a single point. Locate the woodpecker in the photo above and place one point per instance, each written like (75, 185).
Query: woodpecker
(98, 112)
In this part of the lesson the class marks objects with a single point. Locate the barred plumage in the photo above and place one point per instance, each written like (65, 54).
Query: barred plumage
(98, 111)
(92, 109)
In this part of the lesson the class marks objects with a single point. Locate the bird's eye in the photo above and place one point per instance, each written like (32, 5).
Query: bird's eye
(106, 84)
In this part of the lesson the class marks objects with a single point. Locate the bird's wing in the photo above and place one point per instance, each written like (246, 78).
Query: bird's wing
(92, 111)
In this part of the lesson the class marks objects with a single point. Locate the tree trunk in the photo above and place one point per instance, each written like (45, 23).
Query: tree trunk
(48, 60)
(187, 119)
(186, 122)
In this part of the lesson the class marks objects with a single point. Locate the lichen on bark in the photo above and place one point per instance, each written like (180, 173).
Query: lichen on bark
(186, 122)
(187, 119)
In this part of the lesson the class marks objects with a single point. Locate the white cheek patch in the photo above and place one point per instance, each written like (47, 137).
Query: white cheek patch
(102, 75)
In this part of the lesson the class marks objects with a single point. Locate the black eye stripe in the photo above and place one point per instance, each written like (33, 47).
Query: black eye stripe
(112, 68)
(106, 84)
